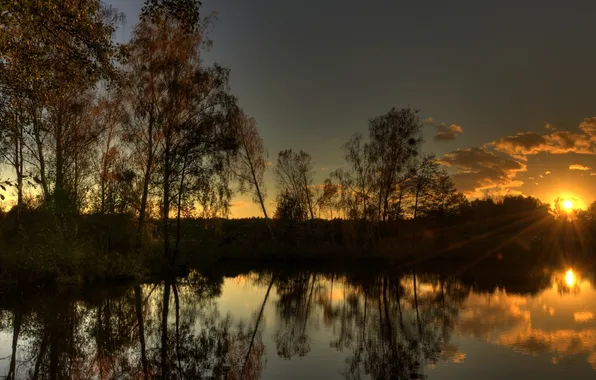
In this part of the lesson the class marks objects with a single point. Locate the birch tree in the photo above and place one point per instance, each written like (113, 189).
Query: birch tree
(251, 164)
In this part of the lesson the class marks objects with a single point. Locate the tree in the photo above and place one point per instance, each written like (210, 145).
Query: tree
(357, 183)
(69, 137)
(108, 118)
(182, 120)
(395, 140)
(328, 197)
(12, 140)
(444, 200)
(251, 163)
(44, 43)
(422, 180)
(44, 60)
(294, 173)
(290, 208)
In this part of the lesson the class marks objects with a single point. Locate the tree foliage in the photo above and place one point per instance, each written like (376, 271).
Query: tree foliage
(294, 174)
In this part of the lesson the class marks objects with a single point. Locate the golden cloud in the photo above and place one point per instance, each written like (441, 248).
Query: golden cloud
(556, 142)
(447, 132)
(578, 167)
(480, 169)
(530, 143)
(582, 316)
(588, 126)
(450, 352)
(443, 131)
(507, 320)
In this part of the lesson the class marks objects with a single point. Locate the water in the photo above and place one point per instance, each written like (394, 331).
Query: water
(280, 325)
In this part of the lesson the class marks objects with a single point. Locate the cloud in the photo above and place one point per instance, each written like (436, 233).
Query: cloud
(547, 172)
(324, 169)
(520, 145)
(530, 143)
(268, 163)
(578, 167)
(447, 132)
(588, 126)
(582, 316)
(451, 353)
(443, 131)
(480, 169)
(592, 173)
(555, 142)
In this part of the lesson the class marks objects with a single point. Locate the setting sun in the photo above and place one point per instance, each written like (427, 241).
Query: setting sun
(567, 205)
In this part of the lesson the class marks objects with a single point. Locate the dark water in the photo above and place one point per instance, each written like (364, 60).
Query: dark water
(301, 325)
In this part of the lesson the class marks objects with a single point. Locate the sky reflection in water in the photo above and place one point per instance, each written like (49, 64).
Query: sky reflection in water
(312, 325)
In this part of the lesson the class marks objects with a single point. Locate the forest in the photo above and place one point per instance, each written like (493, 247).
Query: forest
(120, 161)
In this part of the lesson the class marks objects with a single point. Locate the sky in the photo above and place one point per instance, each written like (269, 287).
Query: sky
(507, 89)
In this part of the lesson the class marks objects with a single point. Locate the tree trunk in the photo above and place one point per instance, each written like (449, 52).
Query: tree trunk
(146, 180)
(41, 158)
(261, 200)
(141, 324)
(42, 352)
(59, 185)
(307, 193)
(166, 200)
(54, 346)
(16, 329)
(179, 206)
(164, 331)
(254, 333)
(177, 305)
(416, 202)
(379, 208)
(18, 165)
(416, 305)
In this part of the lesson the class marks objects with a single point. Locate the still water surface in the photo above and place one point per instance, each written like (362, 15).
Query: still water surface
(305, 325)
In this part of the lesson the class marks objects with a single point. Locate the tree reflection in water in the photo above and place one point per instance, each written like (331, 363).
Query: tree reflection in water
(386, 327)
(168, 330)
(389, 327)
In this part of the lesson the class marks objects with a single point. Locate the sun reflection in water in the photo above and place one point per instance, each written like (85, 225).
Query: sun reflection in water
(570, 278)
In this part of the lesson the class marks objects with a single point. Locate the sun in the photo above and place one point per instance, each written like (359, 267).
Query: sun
(568, 205)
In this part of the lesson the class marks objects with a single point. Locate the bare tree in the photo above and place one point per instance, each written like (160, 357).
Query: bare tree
(108, 118)
(357, 183)
(251, 163)
(328, 197)
(294, 173)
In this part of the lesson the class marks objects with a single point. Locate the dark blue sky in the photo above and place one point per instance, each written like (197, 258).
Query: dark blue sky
(313, 72)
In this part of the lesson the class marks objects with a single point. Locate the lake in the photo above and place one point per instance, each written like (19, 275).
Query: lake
(306, 324)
